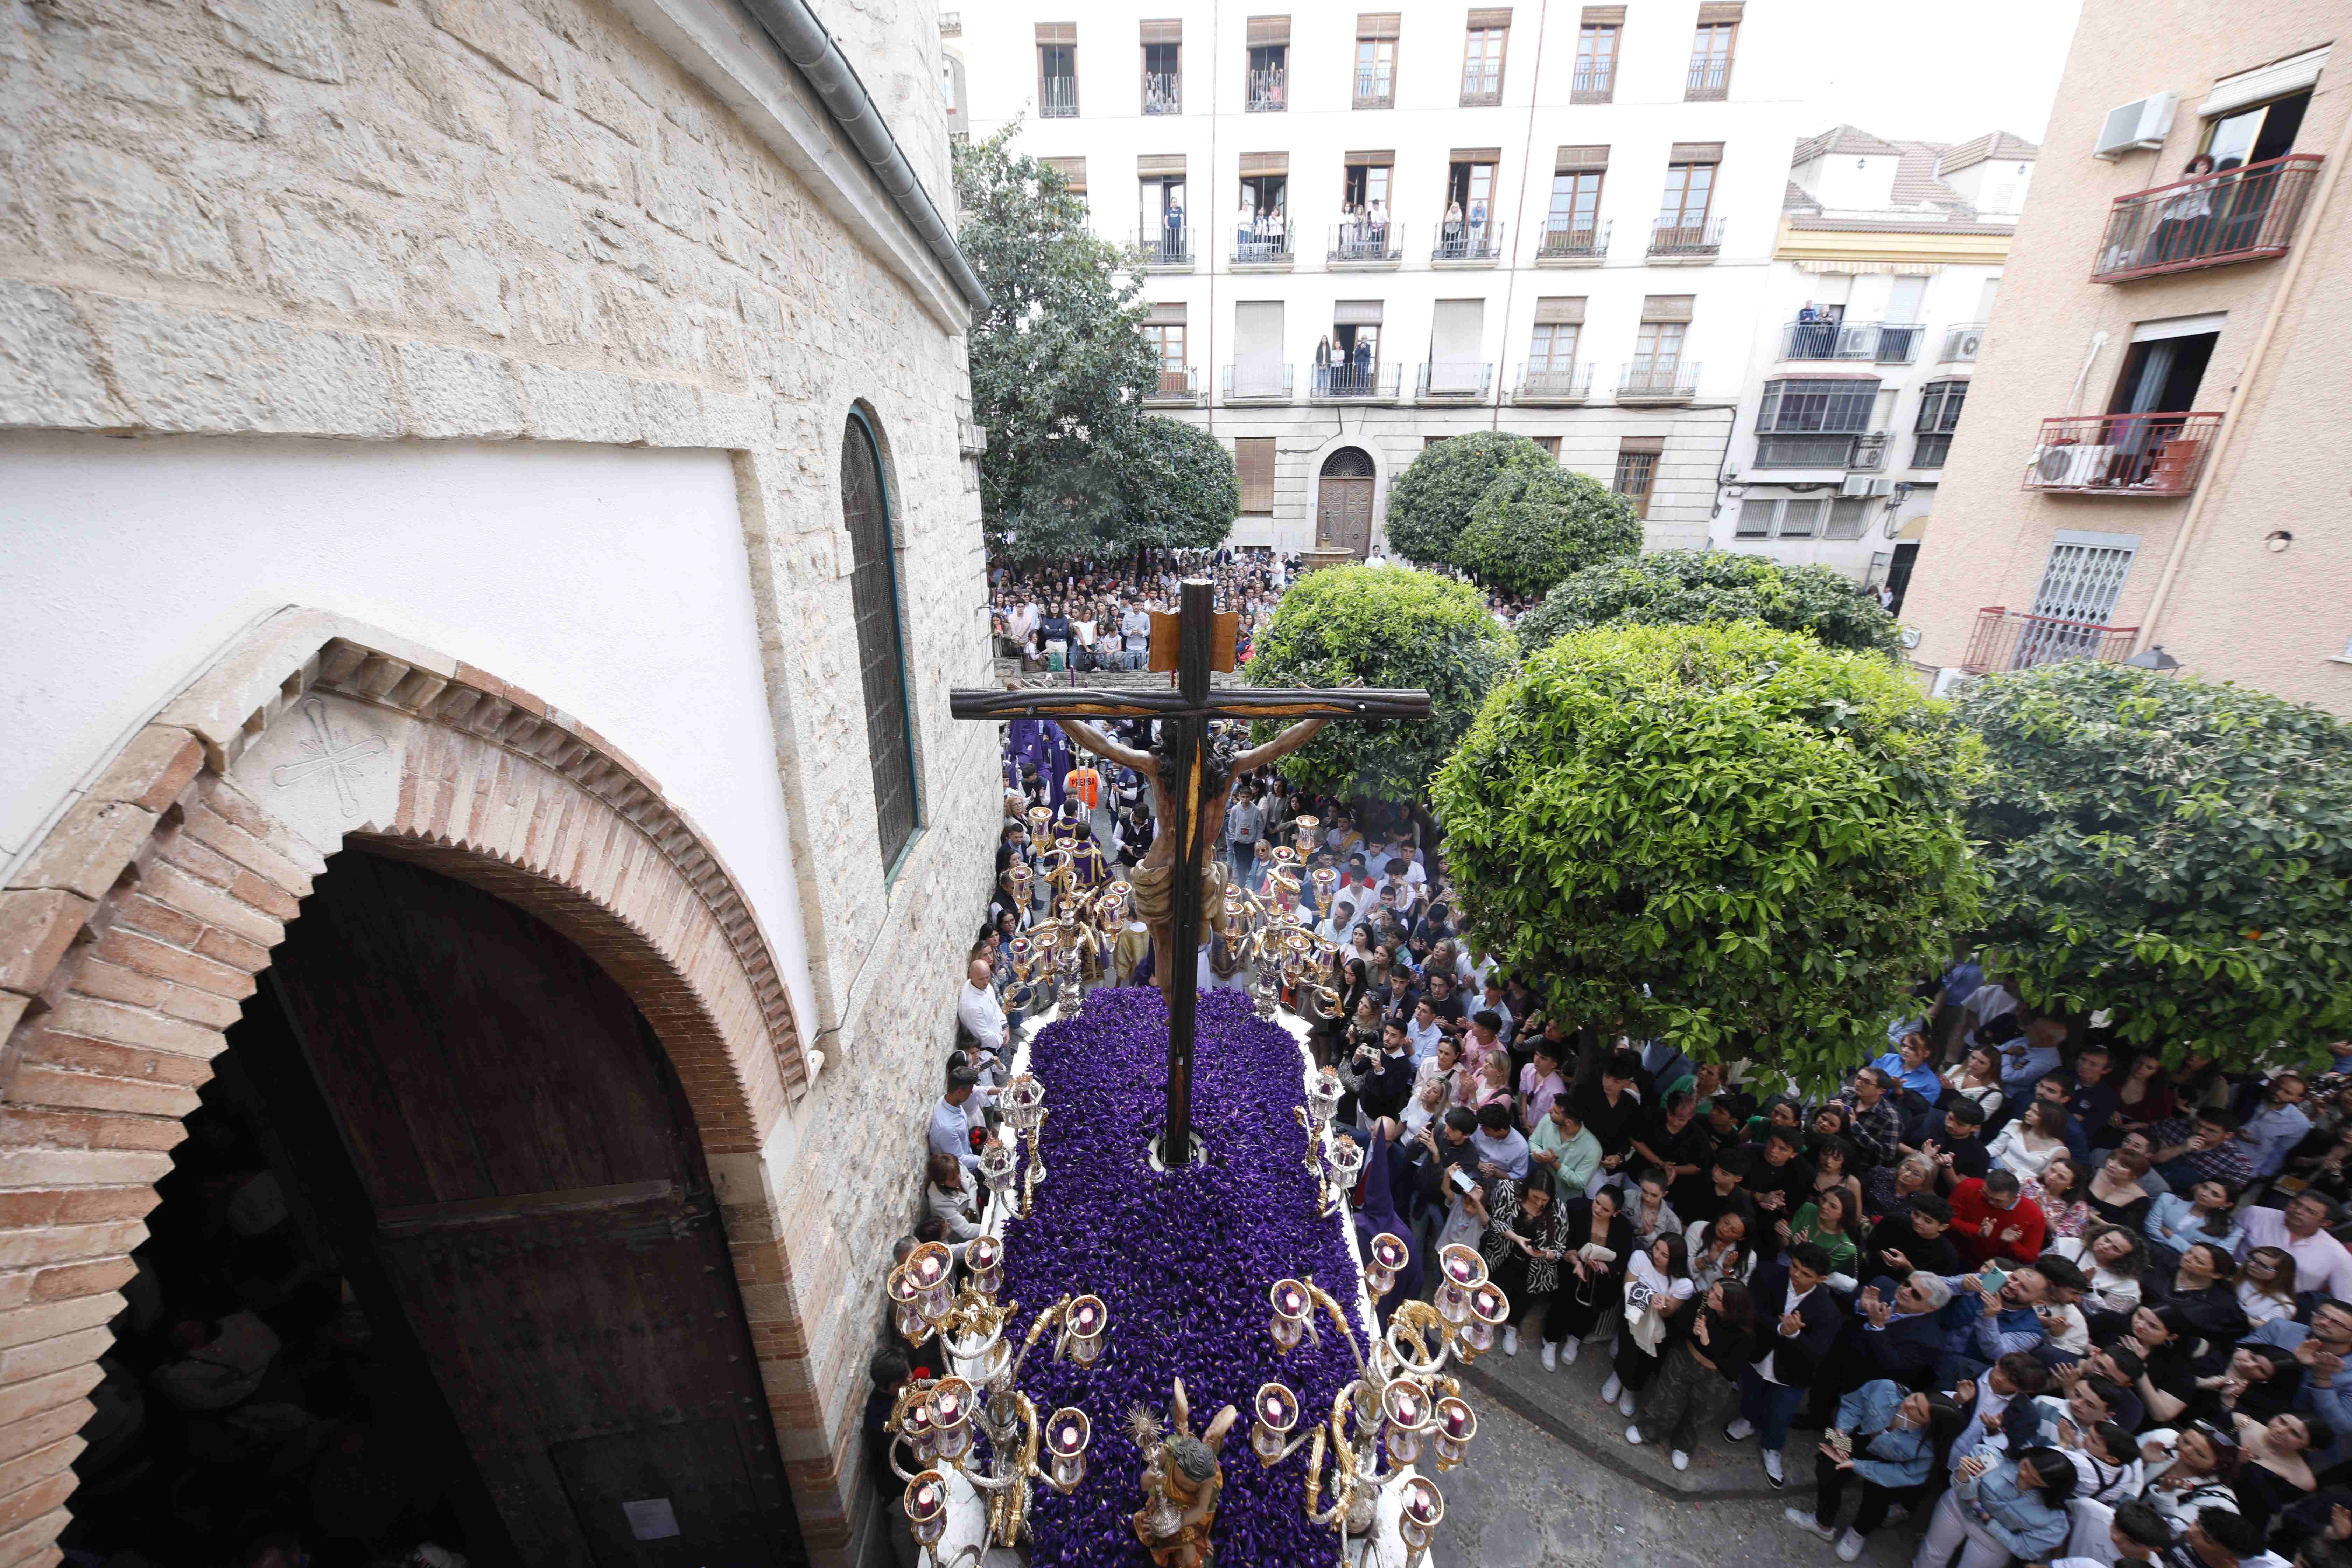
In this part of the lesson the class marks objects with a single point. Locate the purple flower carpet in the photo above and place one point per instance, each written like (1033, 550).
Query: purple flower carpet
(1183, 1260)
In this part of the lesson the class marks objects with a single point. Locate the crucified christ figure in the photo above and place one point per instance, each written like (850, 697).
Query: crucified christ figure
(1155, 880)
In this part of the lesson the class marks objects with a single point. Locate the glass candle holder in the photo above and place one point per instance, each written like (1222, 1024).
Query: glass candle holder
(1309, 830)
(1456, 1424)
(1084, 1327)
(1345, 1157)
(1291, 1306)
(927, 1507)
(950, 1406)
(1421, 1506)
(1323, 1098)
(996, 1167)
(1462, 1265)
(1275, 1415)
(984, 1256)
(920, 1436)
(1068, 1431)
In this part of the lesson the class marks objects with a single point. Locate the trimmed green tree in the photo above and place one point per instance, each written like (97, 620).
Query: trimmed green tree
(1725, 836)
(1381, 626)
(1696, 587)
(1535, 526)
(2176, 852)
(1430, 502)
(1073, 468)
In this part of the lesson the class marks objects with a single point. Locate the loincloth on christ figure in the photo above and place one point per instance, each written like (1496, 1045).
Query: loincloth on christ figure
(1154, 897)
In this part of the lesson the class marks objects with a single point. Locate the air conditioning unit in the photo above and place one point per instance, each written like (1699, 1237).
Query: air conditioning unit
(2137, 126)
(1971, 346)
(1862, 485)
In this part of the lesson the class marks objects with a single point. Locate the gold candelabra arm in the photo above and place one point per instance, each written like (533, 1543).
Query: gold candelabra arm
(1324, 1299)
(1045, 1319)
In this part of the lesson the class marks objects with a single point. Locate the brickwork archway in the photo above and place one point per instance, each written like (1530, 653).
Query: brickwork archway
(130, 936)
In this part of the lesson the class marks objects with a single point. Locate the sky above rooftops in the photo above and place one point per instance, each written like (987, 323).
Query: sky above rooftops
(1907, 70)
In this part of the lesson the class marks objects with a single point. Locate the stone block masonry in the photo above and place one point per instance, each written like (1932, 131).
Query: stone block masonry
(464, 219)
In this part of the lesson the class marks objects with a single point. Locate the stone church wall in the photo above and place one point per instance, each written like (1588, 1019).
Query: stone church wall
(485, 220)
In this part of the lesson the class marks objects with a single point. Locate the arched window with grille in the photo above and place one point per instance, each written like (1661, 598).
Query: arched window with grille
(881, 655)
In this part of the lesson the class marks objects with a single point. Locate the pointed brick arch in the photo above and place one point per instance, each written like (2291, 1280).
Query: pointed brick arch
(132, 934)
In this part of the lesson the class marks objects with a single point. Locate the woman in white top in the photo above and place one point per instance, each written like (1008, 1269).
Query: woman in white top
(945, 1195)
(2032, 1141)
(1648, 1210)
(2266, 1285)
(1979, 1078)
(1657, 1281)
(2113, 1256)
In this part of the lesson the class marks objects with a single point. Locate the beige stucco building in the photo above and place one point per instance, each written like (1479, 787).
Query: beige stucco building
(2152, 449)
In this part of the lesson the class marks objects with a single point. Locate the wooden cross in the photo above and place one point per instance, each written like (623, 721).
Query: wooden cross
(1189, 790)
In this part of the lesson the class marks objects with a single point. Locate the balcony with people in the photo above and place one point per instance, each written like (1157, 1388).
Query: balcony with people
(1348, 367)
(1366, 240)
(1476, 241)
(1165, 247)
(1269, 79)
(1824, 335)
(2213, 217)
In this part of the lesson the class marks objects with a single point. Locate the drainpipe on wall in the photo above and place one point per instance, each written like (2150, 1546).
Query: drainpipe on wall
(2243, 391)
(1511, 279)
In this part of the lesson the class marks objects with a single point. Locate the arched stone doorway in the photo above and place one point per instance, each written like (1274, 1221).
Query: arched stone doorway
(1343, 502)
(139, 929)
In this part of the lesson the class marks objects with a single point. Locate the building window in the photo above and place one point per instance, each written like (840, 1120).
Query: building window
(1690, 190)
(1163, 233)
(1366, 184)
(1939, 415)
(1795, 517)
(1549, 444)
(1376, 45)
(1253, 456)
(881, 649)
(1595, 80)
(1482, 57)
(1057, 71)
(1554, 347)
(1710, 62)
(1812, 424)
(1637, 469)
(1163, 69)
(1848, 517)
(1269, 65)
(1469, 204)
(1167, 341)
(1658, 350)
(1575, 216)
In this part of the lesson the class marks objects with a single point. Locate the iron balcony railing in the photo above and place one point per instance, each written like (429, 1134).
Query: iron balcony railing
(1657, 381)
(1261, 247)
(2239, 215)
(1962, 344)
(1804, 451)
(1672, 238)
(1268, 86)
(1554, 383)
(1708, 79)
(1366, 244)
(1348, 382)
(1930, 451)
(1057, 98)
(1375, 90)
(2153, 455)
(1568, 239)
(1257, 383)
(1879, 342)
(1593, 84)
(1163, 92)
(1176, 386)
(2007, 639)
(1165, 246)
(1458, 380)
(1466, 242)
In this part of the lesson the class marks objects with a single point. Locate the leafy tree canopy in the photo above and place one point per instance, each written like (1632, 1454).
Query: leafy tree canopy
(1381, 626)
(1725, 836)
(1430, 502)
(1537, 525)
(1059, 369)
(2176, 852)
(1694, 587)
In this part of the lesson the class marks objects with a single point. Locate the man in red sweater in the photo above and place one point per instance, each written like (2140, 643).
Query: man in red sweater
(1991, 1218)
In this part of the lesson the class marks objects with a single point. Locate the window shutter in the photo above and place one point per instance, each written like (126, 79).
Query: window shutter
(1604, 16)
(1653, 445)
(1254, 456)
(1356, 313)
(1057, 32)
(1254, 163)
(1379, 159)
(1561, 311)
(1163, 32)
(1072, 169)
(1667, 307)
(1580, 161)
(1476, 156)
(1166, 316)
(1499, 17)
(1715, 12)
(1457, 329)
(1377, 27)
(1696, 152)
(1265, 31)
(1160, 163)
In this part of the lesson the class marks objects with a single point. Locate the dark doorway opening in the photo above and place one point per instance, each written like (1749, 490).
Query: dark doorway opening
(438, 1263)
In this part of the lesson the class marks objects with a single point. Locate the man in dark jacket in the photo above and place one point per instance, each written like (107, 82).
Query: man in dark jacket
(1803, 1319)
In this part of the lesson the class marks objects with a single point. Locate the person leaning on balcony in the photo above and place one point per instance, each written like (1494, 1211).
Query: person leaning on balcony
(2177, 221)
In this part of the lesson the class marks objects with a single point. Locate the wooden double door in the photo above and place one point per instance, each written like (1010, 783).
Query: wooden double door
(1343, 503)
(501, 1158)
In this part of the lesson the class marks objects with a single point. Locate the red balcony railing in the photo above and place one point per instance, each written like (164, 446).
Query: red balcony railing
(2012, 639)
(2239, 215)
(2153, 455)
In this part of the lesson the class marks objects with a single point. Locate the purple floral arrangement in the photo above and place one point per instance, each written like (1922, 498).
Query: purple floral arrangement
(1184, 1261)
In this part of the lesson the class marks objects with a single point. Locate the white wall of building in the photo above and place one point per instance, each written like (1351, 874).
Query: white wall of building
(608, 581)
(1757, 125)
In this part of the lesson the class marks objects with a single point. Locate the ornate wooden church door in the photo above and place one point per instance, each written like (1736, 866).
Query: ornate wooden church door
(521, 1178)
(1343, 515)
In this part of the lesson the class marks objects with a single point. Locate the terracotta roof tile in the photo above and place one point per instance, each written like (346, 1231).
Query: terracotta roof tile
(1841, 139)
(1992, 145)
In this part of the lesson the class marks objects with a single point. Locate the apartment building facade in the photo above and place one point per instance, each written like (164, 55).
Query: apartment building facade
(1889, 257)
(1362, 232)
(2152, 464)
